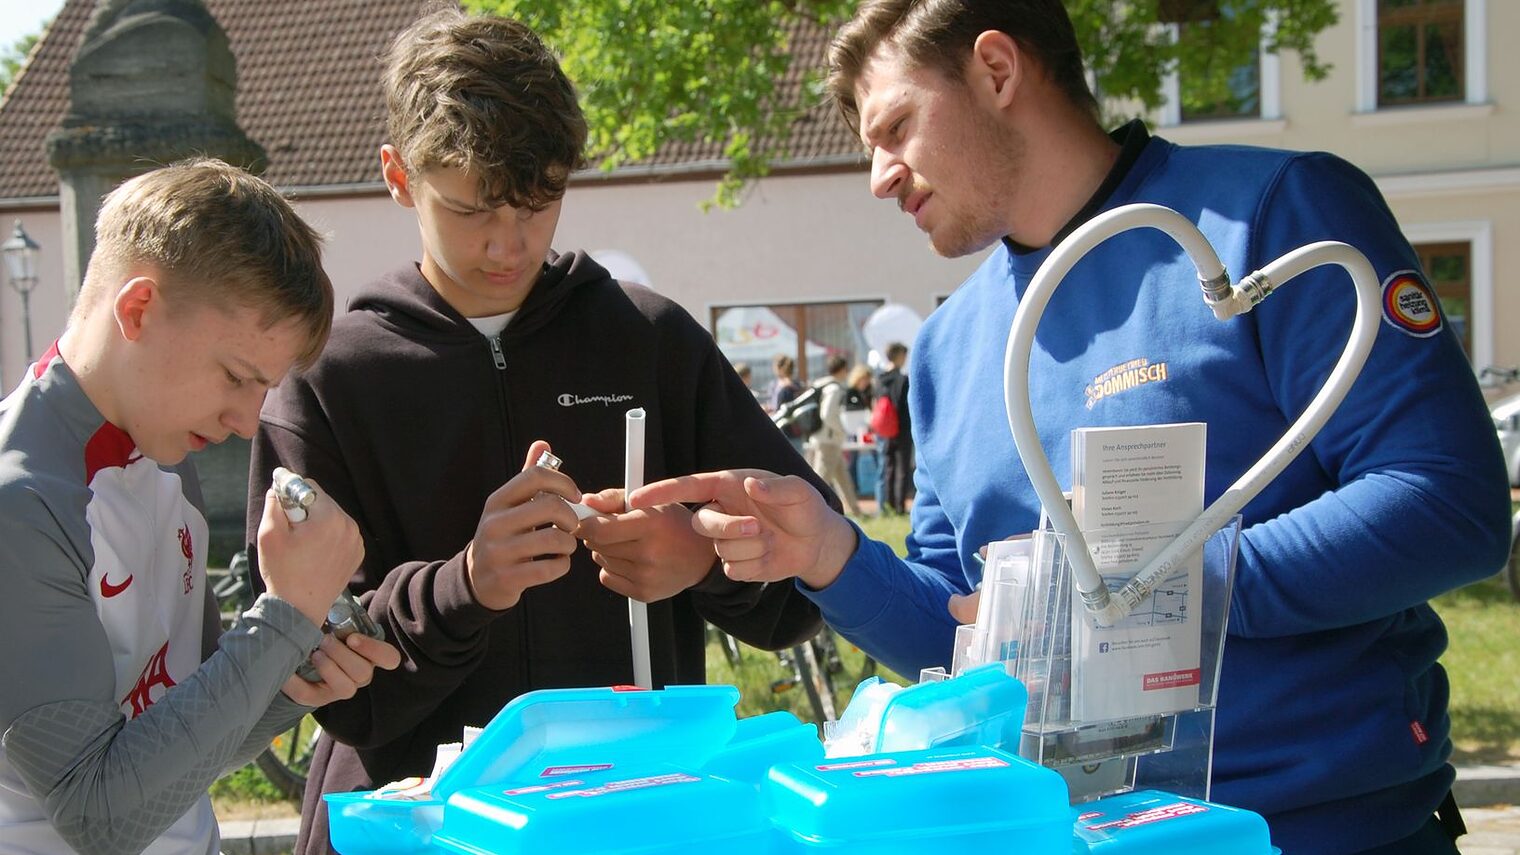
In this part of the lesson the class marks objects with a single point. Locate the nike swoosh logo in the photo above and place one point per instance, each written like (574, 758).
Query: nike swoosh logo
(108, 590)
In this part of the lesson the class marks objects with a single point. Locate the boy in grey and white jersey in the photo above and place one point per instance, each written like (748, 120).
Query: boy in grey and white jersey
(120, 705)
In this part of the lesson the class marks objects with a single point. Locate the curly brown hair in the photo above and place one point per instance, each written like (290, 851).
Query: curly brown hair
(483, 94)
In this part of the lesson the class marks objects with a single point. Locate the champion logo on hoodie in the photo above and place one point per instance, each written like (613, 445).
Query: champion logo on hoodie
(570, 399)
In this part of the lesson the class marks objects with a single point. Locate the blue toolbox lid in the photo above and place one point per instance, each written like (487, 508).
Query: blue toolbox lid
(360, 825)
(554, 732)
(660, 809)
(983, 706)
(1150, 821)
(761, 742)
(932, 801)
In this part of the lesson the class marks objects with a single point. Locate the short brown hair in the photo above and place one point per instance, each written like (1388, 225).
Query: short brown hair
(483, 94)
(218, 236)
(939, 34)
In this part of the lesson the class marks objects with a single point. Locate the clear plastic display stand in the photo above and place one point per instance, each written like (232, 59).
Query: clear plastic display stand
(1134, 725)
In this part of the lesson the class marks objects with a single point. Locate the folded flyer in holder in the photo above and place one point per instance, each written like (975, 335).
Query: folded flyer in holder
(1133, 490)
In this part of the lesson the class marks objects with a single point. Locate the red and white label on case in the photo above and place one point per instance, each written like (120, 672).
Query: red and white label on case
(543, 788)
(933, 767)
(554, 771)
(615, 787)
(1150, 815)
(856, 764)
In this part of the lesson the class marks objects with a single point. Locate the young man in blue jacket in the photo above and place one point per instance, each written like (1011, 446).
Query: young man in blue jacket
(1332, 714)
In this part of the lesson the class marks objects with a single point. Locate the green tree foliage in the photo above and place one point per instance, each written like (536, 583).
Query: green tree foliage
(11, 60)
(652, 72)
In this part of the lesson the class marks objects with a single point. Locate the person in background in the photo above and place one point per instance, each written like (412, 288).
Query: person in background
(897, 462)
(746, 374)
(857, 389)
(783, 389)
(864, 463)
(825, 448)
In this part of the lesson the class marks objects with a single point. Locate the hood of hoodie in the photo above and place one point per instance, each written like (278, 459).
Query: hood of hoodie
(403, 299)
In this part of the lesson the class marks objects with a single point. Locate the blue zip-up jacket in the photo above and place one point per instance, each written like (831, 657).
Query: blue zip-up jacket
(1332, 708)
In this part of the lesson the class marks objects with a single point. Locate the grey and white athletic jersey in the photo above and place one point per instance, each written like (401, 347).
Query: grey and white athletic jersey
(118, 705)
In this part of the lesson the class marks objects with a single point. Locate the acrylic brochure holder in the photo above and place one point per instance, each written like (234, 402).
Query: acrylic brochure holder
(1108, 579)
(1132, 708)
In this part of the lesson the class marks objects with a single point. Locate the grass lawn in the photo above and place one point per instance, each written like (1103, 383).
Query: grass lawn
(1483, 662)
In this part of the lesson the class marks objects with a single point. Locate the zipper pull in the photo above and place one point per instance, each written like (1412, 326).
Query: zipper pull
(496, 355)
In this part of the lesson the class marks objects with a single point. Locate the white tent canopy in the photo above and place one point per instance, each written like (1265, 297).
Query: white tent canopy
(756, 335)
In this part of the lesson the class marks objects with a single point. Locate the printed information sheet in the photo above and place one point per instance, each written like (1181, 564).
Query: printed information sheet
(1133, 490)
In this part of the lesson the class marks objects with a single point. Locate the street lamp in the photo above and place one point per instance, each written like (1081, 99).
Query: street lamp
(21, 269)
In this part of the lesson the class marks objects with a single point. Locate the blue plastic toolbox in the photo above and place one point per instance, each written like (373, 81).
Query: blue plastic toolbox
(920, 802)
(1146, 822)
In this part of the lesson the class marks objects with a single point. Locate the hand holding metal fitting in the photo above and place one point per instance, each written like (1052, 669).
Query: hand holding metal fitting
(346, 617)
(294, 493)
(548, 460)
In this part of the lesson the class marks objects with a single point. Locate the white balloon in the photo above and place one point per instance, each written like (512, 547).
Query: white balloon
(892, 322)
(622, 266)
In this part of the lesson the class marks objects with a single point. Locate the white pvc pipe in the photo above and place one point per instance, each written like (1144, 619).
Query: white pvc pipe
(633, 478)
(1106, 609)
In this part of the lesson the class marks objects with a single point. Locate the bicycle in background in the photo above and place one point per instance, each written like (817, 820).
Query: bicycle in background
(826, 667)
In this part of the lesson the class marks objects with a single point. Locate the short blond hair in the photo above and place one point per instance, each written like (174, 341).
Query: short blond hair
(218, 237)
(483, 94)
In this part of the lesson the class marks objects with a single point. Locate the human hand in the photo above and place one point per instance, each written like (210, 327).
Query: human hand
(647, 554)
(306, 564)
(963, 606)
(344, 667)
(525, 534)
(766, 527)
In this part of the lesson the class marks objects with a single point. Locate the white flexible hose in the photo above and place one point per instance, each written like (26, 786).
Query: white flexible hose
(1106, 609)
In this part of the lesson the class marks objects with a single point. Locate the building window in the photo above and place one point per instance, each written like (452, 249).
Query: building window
(1448, 266)
(1253, 87)
(807, 332)
(1421, 51)
(1243, 83)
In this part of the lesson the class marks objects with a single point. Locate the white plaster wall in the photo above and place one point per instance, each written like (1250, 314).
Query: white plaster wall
(800, 238)
(796, 238)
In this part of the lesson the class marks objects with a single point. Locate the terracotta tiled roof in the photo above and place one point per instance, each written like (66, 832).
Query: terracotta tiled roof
(308, 92)
(817, 132)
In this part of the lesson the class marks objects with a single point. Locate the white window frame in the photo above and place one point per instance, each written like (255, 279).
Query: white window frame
(1269, 84)
(1479, 236)
(1474, 48)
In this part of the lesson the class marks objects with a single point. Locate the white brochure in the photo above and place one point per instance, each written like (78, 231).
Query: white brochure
(1133, 490)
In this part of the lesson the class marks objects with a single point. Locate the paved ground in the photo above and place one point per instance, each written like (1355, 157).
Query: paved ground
(1491, 831)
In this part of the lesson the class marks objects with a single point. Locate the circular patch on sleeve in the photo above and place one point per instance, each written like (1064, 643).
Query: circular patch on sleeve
(1410, 306)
